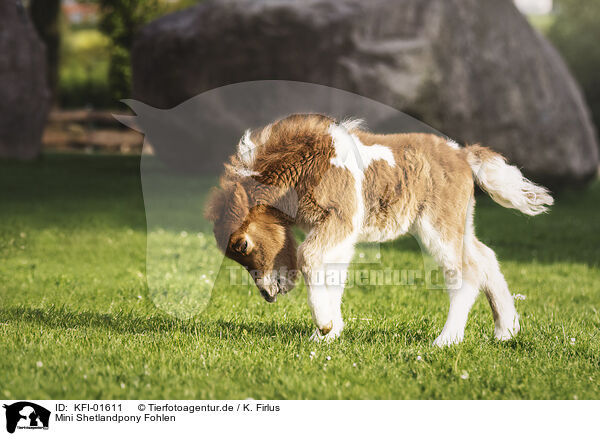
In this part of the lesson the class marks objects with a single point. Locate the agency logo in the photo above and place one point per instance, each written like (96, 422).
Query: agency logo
(26, 415)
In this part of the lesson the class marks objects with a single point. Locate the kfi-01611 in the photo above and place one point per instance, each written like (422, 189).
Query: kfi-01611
(97, 407)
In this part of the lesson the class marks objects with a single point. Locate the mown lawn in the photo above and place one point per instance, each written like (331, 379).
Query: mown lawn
(76, 320)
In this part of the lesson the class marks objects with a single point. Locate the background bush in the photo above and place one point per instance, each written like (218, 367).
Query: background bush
(120, 21)
(84, 69)
(575, 31)
(95, 61)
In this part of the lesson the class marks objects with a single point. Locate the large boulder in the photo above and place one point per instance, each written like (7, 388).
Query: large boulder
(472, 69)
(24, 94)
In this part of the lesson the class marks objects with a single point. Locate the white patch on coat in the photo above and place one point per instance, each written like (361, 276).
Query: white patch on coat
(353, 155)
(453, 144)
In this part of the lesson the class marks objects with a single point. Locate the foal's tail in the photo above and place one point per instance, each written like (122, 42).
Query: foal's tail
(505, 183)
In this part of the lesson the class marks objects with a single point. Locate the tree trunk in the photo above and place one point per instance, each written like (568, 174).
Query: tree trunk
(45, 15)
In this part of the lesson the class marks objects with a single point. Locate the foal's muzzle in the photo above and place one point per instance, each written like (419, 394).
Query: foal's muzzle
(268, 297)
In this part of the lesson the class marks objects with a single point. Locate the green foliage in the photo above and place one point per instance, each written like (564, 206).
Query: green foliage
(77, 321)
(83, 76)
(120, 21)
(575, 32)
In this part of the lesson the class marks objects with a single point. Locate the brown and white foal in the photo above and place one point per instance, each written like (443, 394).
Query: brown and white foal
(343, 185)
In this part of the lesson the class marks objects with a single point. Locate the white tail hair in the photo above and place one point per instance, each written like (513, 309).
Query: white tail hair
(505, 183)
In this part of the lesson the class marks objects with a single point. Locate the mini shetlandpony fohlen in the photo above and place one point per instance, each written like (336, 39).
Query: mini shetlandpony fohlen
(342, 185)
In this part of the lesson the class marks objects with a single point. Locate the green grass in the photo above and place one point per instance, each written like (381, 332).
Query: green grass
(76, 320)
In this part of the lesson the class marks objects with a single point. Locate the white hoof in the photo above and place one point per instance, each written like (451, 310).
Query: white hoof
(502, 332)
(331, 332)
(446, 339)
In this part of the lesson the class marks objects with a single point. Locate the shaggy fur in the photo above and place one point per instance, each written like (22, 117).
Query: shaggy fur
(343, 184)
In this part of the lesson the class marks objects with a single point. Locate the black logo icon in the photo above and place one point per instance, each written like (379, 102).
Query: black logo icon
(26, 415)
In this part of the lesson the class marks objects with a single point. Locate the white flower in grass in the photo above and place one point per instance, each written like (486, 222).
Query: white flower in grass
(361, 255)
(519, 297)
(419, 358)
(572, 341)
(122, 385)
(464, 375)
(328, 358)
(39, 364)
(354, 365)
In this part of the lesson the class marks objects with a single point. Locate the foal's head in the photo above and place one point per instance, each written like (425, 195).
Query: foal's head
(258, 237)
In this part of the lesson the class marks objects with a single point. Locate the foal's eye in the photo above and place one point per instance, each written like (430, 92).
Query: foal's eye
(243, 248)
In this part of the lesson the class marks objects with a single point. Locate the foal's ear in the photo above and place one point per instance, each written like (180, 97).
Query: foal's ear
(230, 202)
(215, 204)
(238, 205)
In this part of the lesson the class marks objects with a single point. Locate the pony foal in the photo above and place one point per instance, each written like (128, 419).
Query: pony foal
(342, 185)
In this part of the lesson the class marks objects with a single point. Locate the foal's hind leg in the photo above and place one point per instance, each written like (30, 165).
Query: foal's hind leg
(463, 291)
(462, 298)
(461, 301)
(496, 290)
(456, 249)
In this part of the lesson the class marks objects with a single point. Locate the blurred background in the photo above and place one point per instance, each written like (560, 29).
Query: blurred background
(88, 68)
(87, 57)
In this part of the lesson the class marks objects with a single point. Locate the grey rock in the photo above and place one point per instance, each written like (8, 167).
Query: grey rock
(24, 94)
(472, 69)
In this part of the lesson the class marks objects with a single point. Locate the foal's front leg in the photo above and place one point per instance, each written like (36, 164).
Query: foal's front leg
(325, 315)
(324, 264)
(325, 300)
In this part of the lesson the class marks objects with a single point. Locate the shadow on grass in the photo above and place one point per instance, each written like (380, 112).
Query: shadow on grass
(408, 333)
(130, 323)
(120, 322)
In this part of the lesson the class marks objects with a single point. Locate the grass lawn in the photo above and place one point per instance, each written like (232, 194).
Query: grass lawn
(76, 320)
